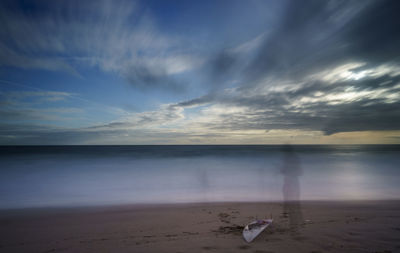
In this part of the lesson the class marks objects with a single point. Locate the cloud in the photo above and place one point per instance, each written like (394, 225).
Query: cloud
(321, 102)
(163, 116)
(19, 124)
(115, 36)
(315, 35)
(325, 67)
(143, 128)
(148, 78)
(46, 95)
(24, 106)
(328, 66)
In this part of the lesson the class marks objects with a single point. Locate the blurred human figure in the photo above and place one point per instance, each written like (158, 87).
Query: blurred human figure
(204, 183)
(291, 171)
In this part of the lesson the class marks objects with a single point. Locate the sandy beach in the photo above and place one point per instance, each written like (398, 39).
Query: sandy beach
(358, 226)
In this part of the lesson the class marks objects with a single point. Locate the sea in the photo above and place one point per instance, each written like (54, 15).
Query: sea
(67, 176)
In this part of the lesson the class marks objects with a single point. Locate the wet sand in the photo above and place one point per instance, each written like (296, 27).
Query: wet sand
(357, 226)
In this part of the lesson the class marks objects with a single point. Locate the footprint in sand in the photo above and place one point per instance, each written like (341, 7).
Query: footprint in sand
(210, 248)
(224, 217)
(244, 247)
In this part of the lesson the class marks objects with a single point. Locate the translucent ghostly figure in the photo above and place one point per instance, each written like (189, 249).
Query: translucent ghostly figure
(291, 170)
(204, 183)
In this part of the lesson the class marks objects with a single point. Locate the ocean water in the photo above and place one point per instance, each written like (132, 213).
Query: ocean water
(39, 176)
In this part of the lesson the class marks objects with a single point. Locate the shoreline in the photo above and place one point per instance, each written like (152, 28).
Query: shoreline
(194, 203)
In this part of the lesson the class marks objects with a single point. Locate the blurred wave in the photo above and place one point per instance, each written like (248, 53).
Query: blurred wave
(33, 176)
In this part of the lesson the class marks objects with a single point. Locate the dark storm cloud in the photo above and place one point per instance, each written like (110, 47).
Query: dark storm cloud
(321, 111)
(310, 88)
(318, 34)
(357, 116)
(361, 116)
(315, 36)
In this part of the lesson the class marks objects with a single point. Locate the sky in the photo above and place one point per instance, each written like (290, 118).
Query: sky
(199, 72)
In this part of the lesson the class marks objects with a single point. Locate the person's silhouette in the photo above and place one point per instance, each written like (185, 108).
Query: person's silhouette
(291, 171)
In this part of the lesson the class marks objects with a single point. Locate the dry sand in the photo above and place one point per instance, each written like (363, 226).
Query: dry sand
(358, 226)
